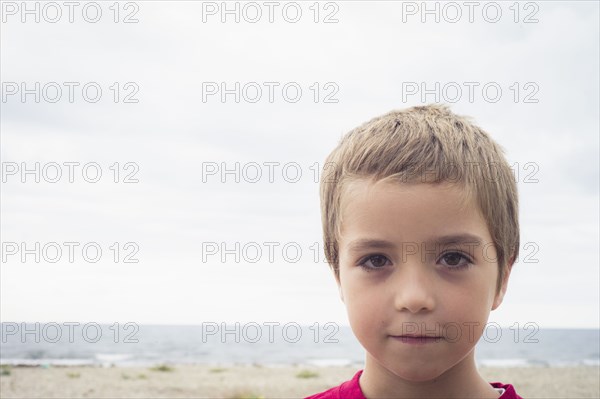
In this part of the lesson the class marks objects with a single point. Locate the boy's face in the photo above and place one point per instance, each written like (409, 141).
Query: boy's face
(425, 277)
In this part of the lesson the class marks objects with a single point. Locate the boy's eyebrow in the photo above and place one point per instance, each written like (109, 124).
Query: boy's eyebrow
(367, 243)
(464, 238)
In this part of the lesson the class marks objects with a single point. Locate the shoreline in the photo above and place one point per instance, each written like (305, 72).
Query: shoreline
(309, 365)
(255, 381)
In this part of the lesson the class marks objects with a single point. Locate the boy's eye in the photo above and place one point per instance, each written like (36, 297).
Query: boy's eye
(456, 260)
(451, 260)
(373, 262)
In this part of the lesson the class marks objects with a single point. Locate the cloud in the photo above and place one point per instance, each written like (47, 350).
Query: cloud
(171, 134)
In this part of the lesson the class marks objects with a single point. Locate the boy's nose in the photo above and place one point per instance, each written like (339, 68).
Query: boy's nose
(413, 288)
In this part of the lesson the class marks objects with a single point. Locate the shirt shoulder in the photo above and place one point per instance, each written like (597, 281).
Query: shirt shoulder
(509, 391)
(347, 390)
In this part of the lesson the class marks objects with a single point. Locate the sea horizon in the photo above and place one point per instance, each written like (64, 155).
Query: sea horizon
(320, 345)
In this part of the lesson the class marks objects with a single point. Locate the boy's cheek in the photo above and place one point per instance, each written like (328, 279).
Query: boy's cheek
(364, 324)
(364, 312)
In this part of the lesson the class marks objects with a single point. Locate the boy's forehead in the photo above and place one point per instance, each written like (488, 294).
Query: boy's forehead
(368, 189)
(383, 204)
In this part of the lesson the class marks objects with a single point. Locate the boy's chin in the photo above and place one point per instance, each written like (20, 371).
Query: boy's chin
(417, 376)
(421, 373)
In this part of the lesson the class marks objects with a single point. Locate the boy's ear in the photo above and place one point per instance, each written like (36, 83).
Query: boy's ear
(500, 295)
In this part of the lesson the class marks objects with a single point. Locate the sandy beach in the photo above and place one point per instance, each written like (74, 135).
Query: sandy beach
(195, 381)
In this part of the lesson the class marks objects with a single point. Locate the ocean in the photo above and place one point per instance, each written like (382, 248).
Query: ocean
(268, 344)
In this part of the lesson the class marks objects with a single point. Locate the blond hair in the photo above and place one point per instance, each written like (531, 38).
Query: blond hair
(427, 144)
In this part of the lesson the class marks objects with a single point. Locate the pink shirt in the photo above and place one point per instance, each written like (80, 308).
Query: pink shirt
(351, 390)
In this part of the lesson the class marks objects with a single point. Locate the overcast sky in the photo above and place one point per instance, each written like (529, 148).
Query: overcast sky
(533, 72)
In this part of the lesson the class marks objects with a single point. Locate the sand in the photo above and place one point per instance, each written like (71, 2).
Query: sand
(255, 381)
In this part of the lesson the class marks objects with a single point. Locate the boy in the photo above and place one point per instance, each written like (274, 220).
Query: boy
(420, 221)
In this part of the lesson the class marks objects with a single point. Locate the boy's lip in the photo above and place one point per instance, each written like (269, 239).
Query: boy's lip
(413, 339)
(416, 336)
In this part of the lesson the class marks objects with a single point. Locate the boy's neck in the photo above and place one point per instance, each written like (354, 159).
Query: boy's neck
(461, 381)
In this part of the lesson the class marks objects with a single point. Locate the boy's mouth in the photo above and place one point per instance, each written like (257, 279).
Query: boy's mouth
(417, 339)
